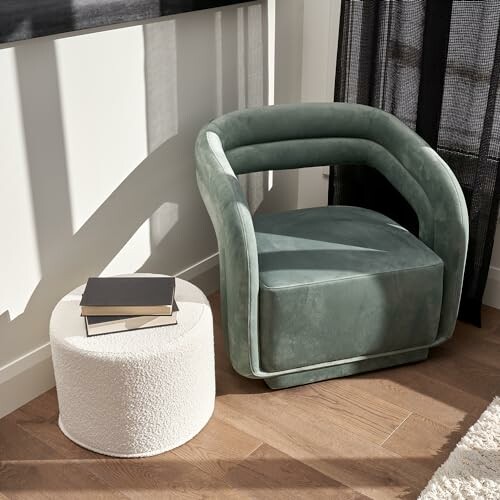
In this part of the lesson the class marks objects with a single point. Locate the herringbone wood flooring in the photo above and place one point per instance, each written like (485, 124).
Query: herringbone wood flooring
(380, 435)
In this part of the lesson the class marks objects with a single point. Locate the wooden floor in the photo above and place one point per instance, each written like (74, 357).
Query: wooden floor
(379, 435)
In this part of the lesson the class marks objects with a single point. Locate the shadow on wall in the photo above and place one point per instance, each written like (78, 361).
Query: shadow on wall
(193, 72)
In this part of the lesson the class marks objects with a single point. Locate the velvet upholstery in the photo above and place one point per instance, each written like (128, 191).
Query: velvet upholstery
(338, 282)
(428, 270)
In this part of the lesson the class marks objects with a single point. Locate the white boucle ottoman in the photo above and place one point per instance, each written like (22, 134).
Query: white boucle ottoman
(138, 393)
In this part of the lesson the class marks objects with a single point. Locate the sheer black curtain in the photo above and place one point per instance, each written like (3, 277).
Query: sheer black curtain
(436, 66)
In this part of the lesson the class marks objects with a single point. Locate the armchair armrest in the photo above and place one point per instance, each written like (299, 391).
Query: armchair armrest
(447, 221)
(238, 260)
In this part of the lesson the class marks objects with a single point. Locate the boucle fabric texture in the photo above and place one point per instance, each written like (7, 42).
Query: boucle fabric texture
(473, 468)
(137, 393)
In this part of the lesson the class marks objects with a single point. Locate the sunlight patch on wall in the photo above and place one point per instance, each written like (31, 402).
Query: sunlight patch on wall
(101, 78)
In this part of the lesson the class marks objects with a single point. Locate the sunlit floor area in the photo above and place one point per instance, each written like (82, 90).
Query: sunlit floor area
(379, 435)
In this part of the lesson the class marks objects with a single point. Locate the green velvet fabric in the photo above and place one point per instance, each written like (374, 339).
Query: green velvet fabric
(341, 282)
(345, 370)
(295, 136)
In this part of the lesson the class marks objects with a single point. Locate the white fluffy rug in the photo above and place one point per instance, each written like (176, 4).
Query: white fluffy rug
(473, 467)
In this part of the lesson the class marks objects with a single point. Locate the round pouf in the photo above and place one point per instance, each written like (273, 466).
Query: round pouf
(136, 393)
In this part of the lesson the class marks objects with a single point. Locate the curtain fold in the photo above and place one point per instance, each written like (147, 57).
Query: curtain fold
(436, 66)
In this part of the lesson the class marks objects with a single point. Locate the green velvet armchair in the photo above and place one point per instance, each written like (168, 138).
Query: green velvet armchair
(318, 293)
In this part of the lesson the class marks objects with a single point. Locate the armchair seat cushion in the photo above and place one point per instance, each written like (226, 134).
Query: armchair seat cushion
(340, 282)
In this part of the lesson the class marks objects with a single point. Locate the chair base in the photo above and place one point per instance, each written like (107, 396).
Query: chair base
(307, 377)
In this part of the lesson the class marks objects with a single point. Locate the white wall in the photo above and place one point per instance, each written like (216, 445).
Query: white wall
(96, 163)
(305, 57)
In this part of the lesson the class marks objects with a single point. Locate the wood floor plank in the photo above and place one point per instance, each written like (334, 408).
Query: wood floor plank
(43, 408)
(486, 351)
(219, 447)
(52, 479)
(49, 433)
(422, 437)
(475, 378)
(17, 444)
(407, 387)
(164, 476)
(356, 411)
(43, 427)
(269, 474)
(30, 468)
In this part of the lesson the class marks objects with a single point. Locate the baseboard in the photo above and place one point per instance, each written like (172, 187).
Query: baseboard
(30, 375)
(492, 292)
(25, 378)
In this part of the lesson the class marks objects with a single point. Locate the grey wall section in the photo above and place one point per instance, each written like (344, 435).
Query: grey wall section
(24, 19)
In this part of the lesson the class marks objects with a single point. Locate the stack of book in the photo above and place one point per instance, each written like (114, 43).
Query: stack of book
(112, 305)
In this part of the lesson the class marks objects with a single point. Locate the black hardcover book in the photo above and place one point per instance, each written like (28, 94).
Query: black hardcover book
(128, 296)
